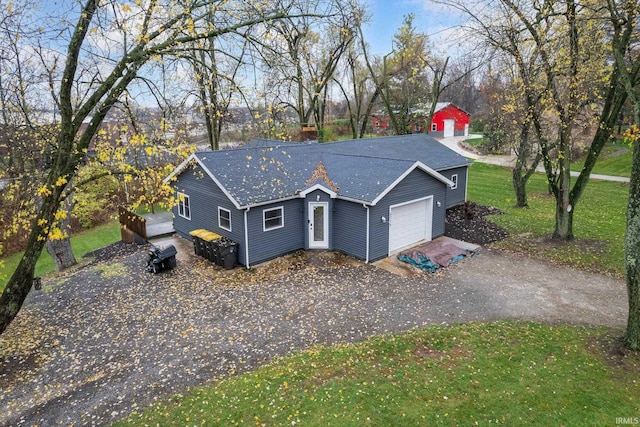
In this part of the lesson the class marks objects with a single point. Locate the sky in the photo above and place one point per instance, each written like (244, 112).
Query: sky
(434, 20)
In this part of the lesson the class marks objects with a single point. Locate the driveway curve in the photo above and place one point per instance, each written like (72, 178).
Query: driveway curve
(110, 339)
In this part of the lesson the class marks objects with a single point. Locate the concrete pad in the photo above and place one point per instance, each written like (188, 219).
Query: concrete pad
(182, 245)
(393, 265)
(159, 224)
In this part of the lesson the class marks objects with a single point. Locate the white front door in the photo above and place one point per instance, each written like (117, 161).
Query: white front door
(318, 225)
(449, 125)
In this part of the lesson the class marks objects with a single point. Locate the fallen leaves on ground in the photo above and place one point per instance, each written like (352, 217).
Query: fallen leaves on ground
(112, 338)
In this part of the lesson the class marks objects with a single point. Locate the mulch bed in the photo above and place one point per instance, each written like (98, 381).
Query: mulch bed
(468, 222)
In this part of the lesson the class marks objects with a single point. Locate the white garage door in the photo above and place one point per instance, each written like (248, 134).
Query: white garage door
(409, 223)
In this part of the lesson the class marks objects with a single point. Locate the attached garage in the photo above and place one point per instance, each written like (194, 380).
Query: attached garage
(410, 223)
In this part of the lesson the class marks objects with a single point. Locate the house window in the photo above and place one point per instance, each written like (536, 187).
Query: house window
(454, 179)
(434, 127)
(184, 206)
(377, 124)
(273, 218)
(224, 219)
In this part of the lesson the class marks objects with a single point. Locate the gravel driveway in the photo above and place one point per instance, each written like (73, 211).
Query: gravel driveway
(111, 338)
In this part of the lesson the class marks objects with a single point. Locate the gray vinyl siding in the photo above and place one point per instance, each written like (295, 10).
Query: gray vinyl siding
(350, 229)
(205, 197)
(265, 245)
(457, 196)
(416, 185)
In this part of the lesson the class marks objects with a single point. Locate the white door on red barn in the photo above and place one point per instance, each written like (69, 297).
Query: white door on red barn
(448, 127)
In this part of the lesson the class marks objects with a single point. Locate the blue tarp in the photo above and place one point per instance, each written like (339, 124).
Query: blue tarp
(422, 262)
(424, 257)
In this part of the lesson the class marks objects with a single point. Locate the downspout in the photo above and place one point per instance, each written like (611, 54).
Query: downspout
(246, 238)
(466, 182)
(367, 239)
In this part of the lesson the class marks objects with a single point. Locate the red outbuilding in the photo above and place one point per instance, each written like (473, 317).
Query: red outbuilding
(447, 120)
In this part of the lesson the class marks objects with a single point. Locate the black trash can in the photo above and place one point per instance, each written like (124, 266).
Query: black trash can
(228, 254)
(210, 241)
(198, 244)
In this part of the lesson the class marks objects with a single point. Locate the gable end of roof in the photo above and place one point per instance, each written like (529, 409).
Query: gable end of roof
(416, 165)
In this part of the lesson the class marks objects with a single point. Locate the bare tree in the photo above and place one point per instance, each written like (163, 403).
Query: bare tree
(357, 87)
(216, 62)
(571, 50)
(304, 57)
(106, 50)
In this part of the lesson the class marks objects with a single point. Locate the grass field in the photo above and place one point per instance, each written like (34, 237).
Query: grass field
(615, 159)
(505, 373)
(81, 243)
(599, 219)
(474, 142)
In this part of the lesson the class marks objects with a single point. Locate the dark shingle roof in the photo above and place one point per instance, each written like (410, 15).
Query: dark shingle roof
(361, 169)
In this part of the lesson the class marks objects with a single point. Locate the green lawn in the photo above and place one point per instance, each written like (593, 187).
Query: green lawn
(615, 159)
(508, 373)
(599, 220)
(474, 142)
(81, 243)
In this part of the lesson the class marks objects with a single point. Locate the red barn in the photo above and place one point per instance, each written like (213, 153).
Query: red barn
(447, 120)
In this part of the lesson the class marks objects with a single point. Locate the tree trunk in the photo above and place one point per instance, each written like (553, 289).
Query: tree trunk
(564, 208)
(21, 281)
(61, 252)
(367, 114)
(18, 288)
(520, 188)
(632, 254)
(522, 172)
(60, 249)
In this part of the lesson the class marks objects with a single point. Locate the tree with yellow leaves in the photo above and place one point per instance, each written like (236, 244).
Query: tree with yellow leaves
(89, 66)
(574, 51)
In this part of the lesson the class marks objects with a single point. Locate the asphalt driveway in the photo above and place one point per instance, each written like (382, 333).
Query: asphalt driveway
(95, 345)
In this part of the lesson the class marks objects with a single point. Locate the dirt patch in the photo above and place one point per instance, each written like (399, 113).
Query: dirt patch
(610, 348)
